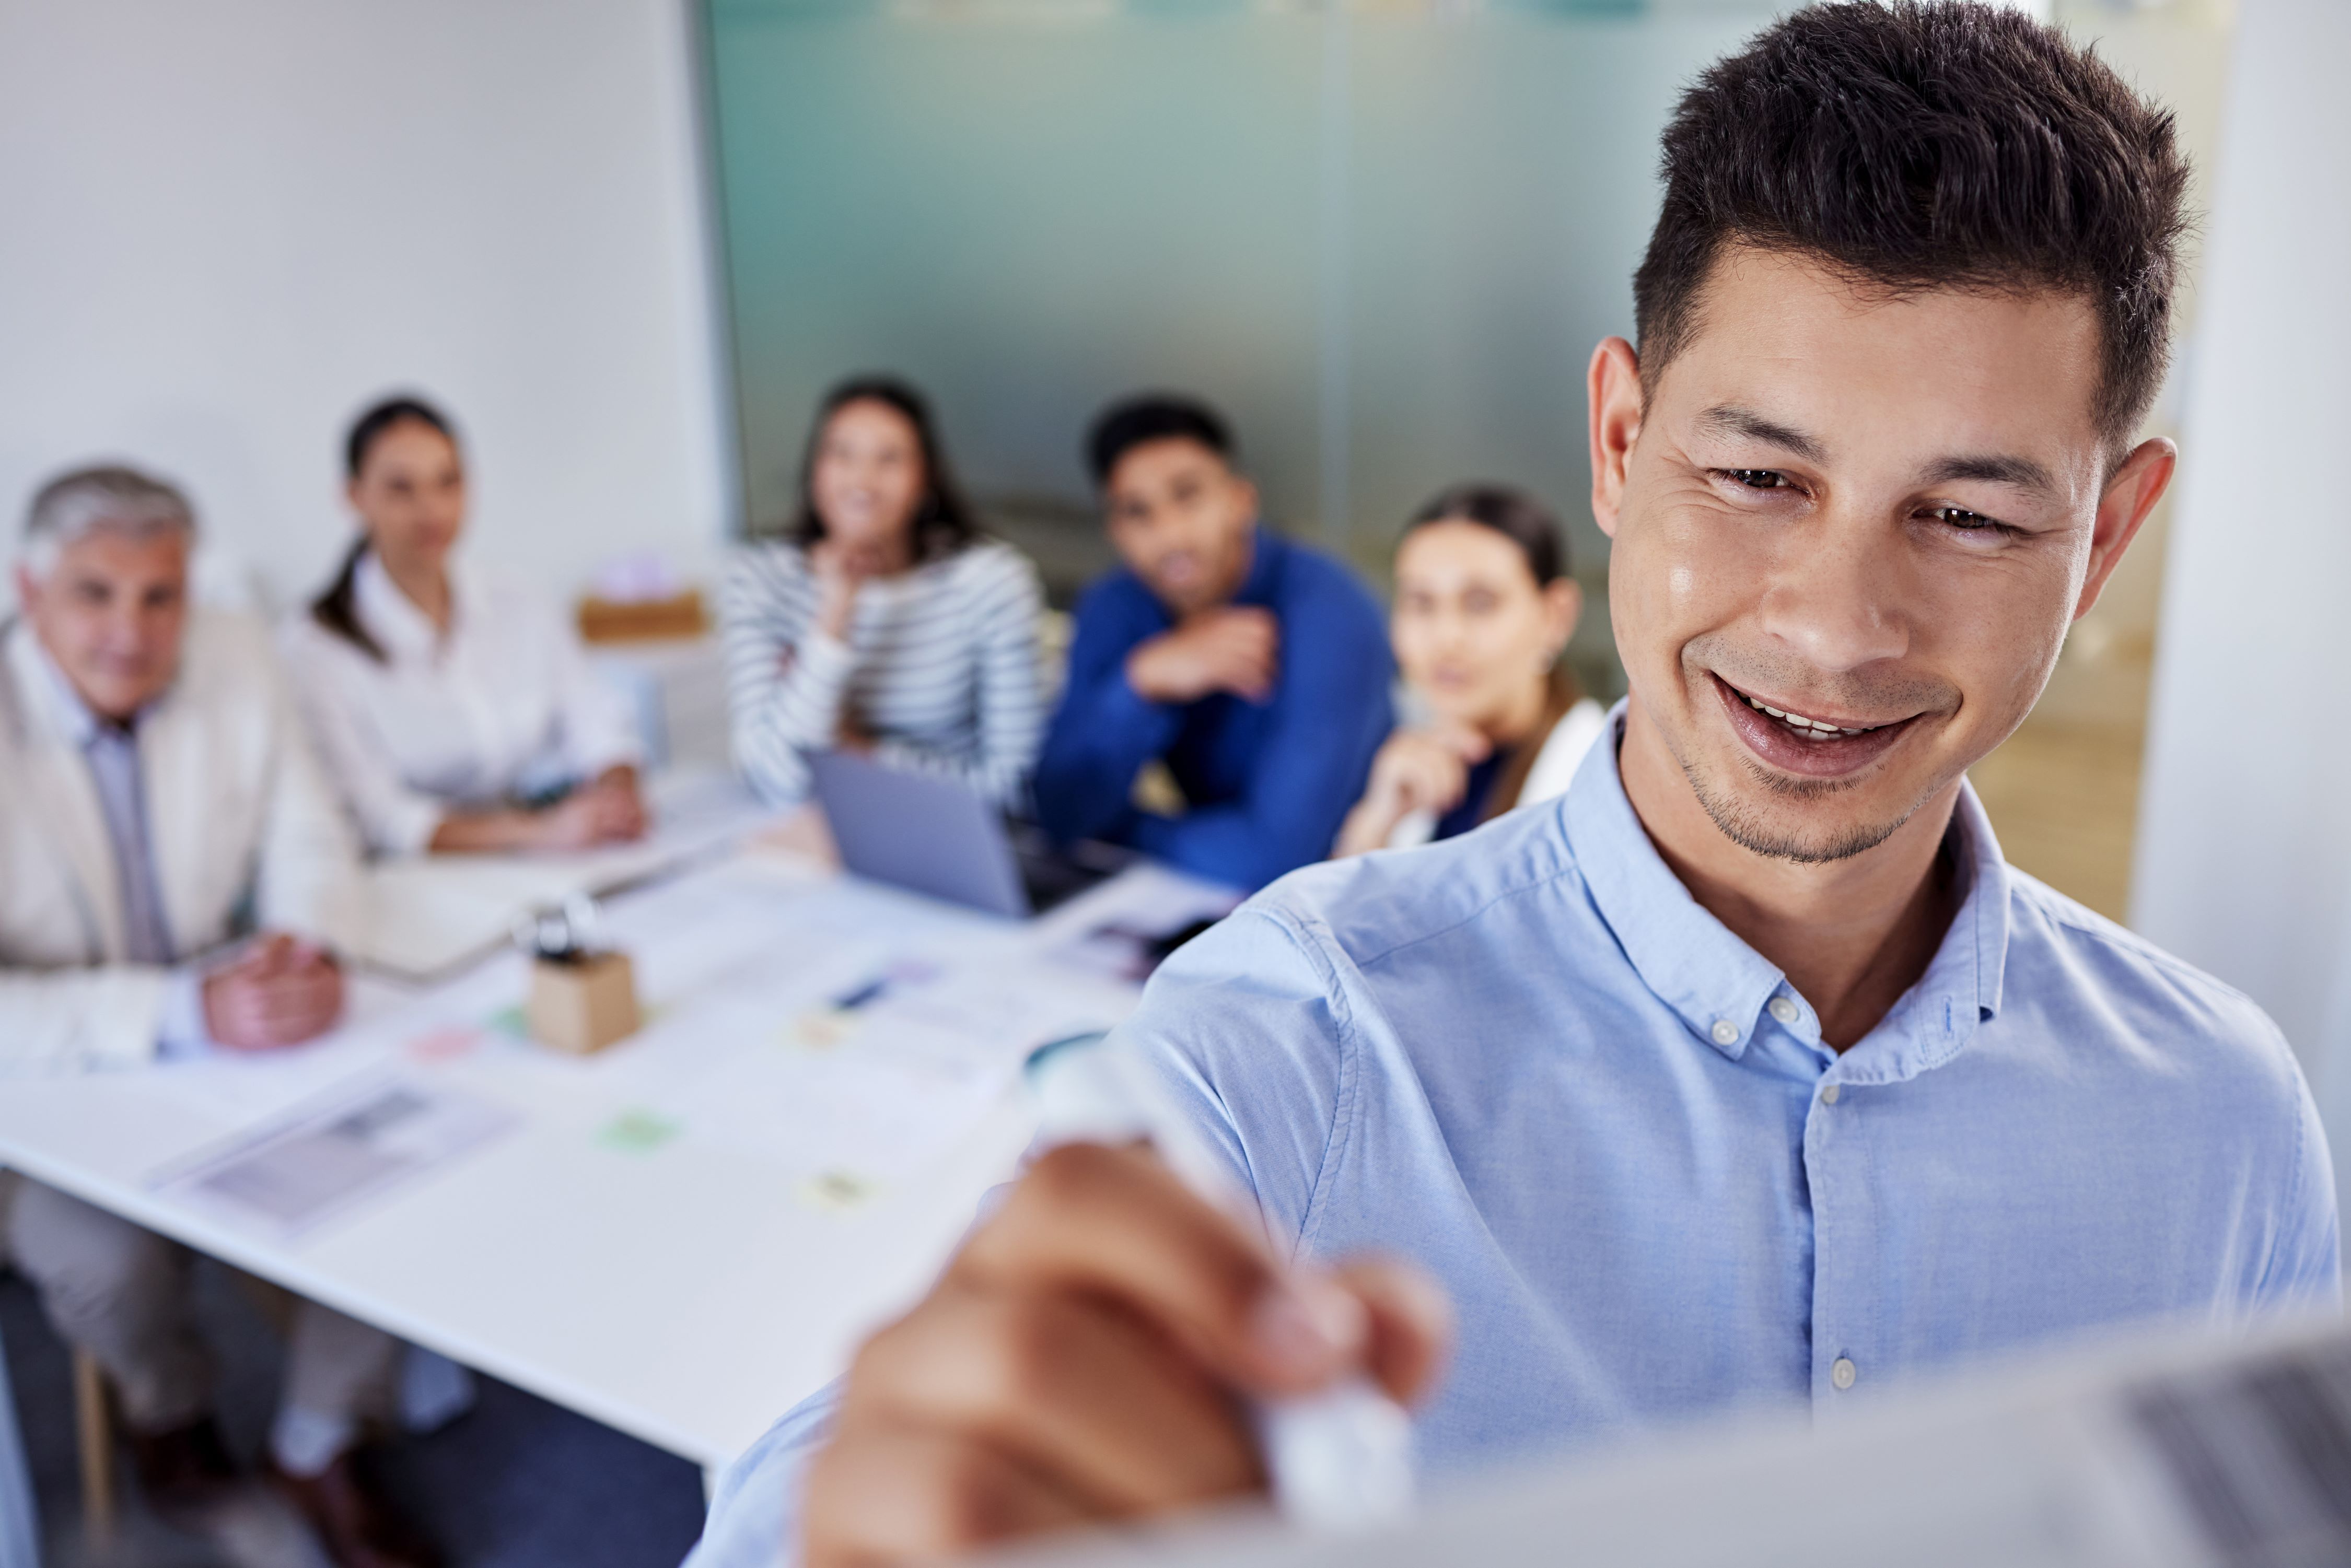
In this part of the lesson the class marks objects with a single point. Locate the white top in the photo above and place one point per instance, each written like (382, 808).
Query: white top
(237, 820)
(941, 666)
(1570, 736)
(503, 706)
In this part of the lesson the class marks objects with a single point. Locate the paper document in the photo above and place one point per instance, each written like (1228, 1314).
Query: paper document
(288, 1176)
(2191, 1449)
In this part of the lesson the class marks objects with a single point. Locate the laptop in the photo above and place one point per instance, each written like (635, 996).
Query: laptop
(937, 836)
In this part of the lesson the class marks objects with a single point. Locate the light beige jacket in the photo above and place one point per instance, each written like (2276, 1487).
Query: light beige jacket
(239, 819)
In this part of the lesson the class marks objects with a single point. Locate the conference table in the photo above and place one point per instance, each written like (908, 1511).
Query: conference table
(681, 1236)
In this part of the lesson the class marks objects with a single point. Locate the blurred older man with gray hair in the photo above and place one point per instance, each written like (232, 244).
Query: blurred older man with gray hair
(159, 788)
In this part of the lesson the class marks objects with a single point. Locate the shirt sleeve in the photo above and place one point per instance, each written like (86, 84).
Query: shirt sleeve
(310, 882)
(1103, 732)
(64, 1021)
(1007, 602)
(1247, 1029)
(785, 681)
(2305, 1266)
(755, 1514)
(392, 818)
(183, 1034)
(1330, 713)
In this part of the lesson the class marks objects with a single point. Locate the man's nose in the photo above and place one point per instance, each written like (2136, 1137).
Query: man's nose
(1840, 599)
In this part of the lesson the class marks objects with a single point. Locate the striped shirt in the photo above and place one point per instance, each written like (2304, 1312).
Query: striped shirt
(941, 667)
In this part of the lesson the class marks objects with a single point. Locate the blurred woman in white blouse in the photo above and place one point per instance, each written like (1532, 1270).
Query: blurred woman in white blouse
(1484, 607)
(454, 712)
(884, 622)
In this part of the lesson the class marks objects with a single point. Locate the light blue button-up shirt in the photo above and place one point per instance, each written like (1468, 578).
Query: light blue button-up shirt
(1527, 1059)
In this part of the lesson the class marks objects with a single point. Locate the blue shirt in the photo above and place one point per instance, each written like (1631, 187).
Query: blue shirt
(1529, 1060)
(1267, 783)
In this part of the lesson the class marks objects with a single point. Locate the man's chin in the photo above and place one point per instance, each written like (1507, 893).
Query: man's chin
(1811, 824)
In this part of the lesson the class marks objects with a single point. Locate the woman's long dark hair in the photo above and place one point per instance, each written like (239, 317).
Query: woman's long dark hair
(1530, 525)
(1513, 513)
(943, 521)
(337, 609)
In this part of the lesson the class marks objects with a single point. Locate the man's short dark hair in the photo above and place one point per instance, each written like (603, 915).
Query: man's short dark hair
(1916, 146)
(1153, 416)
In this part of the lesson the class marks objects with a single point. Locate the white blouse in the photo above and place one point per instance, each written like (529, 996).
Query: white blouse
(501, 707)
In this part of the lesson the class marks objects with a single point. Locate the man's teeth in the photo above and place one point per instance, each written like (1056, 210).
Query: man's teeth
(1810, 729)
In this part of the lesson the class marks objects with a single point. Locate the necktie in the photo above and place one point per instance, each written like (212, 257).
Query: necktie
(113, 756)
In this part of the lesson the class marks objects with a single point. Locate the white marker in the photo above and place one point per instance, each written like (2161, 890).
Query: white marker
(1339, 1460)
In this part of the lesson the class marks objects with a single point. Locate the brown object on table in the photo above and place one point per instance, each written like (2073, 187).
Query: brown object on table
(644, 619)
(582, 1003)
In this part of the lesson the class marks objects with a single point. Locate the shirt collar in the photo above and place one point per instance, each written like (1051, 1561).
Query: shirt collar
(404, 631)
(1720, 987)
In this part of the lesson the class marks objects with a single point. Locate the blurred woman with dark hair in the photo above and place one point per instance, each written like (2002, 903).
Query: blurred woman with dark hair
(1484, 607)
(454, 712)
(883, 621)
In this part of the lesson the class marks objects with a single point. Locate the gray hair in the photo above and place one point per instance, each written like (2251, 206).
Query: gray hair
(106, 496)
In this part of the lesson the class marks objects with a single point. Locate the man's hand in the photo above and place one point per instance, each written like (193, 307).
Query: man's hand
(280, 992)
(607, 811)
(1082, 1359)
(1235, 649)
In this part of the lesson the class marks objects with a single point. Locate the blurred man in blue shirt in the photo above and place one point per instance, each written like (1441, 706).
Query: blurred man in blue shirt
(1748, 1072)
(1256, 670)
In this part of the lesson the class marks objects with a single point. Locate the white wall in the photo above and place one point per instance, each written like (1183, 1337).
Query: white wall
(2244, 837)
(226, 226)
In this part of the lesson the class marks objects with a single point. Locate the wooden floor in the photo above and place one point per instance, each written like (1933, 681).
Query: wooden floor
(2065, 800)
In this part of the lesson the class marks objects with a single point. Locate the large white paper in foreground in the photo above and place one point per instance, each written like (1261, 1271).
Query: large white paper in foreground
(2163, 1452)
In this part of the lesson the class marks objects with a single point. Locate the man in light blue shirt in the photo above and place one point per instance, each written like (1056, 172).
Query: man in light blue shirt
(1747, 1071)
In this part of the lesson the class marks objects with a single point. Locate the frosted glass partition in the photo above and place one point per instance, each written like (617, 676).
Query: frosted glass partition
(1384, 237)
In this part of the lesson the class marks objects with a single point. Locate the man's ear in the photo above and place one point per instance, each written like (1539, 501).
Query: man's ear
(1248, 493)
(1615, 391)
(29, 590)
(2124, 507)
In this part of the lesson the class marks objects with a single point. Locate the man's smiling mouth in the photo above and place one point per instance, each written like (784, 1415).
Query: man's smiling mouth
(1808, 745)
(1810, 729)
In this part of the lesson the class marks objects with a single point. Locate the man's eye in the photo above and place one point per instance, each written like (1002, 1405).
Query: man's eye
(1757, 479)
(1961, 519)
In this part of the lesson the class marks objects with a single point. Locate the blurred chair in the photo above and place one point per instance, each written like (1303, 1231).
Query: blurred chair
(20, 1534)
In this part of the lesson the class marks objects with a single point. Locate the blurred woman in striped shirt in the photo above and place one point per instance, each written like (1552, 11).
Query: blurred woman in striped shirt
(883, 621)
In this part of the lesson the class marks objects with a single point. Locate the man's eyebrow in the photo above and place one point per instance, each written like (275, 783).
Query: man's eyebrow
(1730, 419)
(2021, 472)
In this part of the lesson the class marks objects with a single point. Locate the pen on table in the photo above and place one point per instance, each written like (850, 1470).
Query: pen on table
(1339, 1459)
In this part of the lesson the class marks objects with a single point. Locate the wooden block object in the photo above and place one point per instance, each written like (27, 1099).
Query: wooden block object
(645, 620)
(582, 1004)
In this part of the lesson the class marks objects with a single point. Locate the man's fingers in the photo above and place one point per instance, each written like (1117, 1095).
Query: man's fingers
(890, 1495)
(1411, 1323)
(1119, 1223)
(1082, 1392)
(268, 954)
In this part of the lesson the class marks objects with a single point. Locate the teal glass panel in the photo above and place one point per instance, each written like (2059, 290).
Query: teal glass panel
(1384, 238)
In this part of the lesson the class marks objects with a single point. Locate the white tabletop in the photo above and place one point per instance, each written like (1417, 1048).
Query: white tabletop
(683, 1235)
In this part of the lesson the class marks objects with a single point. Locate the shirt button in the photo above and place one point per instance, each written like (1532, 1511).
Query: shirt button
(1784, 1009)
(1843, 1371)
(1725, 1032)
(1829, 1095)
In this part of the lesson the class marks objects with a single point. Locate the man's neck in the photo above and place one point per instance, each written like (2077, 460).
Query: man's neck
(1851, 934)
